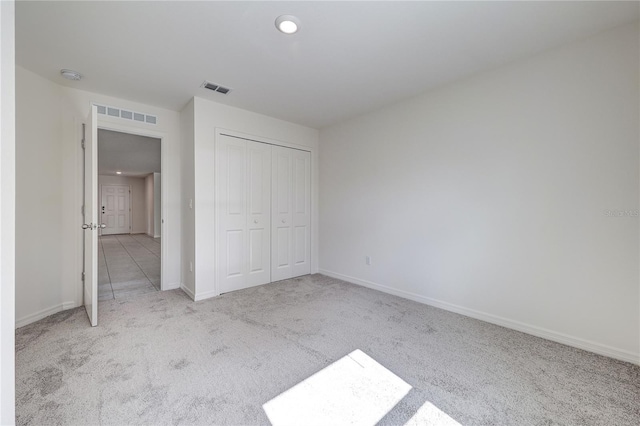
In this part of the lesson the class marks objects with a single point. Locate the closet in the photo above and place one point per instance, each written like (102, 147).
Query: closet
(263, 205)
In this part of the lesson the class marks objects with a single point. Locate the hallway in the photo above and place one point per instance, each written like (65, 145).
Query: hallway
(128, 265)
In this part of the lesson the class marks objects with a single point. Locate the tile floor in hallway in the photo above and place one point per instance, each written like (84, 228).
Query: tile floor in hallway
(128, 265)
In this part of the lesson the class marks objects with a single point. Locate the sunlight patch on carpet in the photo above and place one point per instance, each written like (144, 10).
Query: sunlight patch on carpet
(430, 415)
(354, 390)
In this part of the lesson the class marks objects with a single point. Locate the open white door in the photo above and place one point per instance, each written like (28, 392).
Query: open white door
(91, 225)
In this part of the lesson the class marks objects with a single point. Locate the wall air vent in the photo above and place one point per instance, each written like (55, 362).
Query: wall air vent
(126, 114)
(215, 87)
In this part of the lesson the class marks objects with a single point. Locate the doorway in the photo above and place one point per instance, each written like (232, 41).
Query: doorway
(129, 212)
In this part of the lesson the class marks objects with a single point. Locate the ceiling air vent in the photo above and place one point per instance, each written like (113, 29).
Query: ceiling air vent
(215, 87)
(126, 114)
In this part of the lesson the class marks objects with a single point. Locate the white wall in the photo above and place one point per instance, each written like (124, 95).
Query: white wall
(207, 117)
(149, 204)
(7, 212)
(137, 202)
(49, 190)
(489, 196)
(157, 203)
(40, 163)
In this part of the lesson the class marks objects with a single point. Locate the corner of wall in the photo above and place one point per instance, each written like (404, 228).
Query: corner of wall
(187, 201)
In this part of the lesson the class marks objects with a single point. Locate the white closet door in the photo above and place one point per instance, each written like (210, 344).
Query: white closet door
(259, 213)
(231, 208)
(281, 239)
(291, 218)
(301, 191)
(243, 170)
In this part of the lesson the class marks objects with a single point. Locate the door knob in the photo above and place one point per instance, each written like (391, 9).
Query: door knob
(255, 221)
(85, 226)
(103, 225)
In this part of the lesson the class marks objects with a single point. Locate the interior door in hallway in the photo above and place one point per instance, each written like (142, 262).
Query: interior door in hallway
(243, 200)
(115, 209)
(291, 213)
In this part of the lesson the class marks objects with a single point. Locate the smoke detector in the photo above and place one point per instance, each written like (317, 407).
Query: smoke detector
(71, 75)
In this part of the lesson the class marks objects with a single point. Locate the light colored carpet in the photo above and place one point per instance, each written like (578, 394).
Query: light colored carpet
(163, 359)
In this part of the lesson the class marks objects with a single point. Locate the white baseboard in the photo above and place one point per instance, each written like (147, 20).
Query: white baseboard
(197, 296)
(205, 295)
(555, 336)
(31, 318)
(187, 291)
(172, 286)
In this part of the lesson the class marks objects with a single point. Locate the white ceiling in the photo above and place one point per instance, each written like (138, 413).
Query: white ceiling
(132, 155)
(348, 57)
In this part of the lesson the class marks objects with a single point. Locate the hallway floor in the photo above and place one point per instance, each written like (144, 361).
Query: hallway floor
(128, 265)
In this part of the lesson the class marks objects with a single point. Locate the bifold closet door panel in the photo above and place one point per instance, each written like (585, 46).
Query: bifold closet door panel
(291, 218)
(231, 208)
(301, 234)
(281, 215)
(243, 202)
(258, 213)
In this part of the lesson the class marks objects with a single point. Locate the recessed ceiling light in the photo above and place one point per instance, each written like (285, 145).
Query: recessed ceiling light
(118, 173)
(287, 24)
(70, 75)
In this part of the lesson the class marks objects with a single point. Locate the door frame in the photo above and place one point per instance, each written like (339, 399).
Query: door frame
(313, 220)
(162, 136)
(100, 199)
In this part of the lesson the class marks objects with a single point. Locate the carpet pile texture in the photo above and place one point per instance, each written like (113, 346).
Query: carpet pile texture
(161, 358)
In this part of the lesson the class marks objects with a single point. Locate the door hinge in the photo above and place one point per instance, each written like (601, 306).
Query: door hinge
(83, 134)
(82, 276)
(82, 210)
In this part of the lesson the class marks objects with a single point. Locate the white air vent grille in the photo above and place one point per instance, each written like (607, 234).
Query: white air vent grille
(126, 114)
(215, 87)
